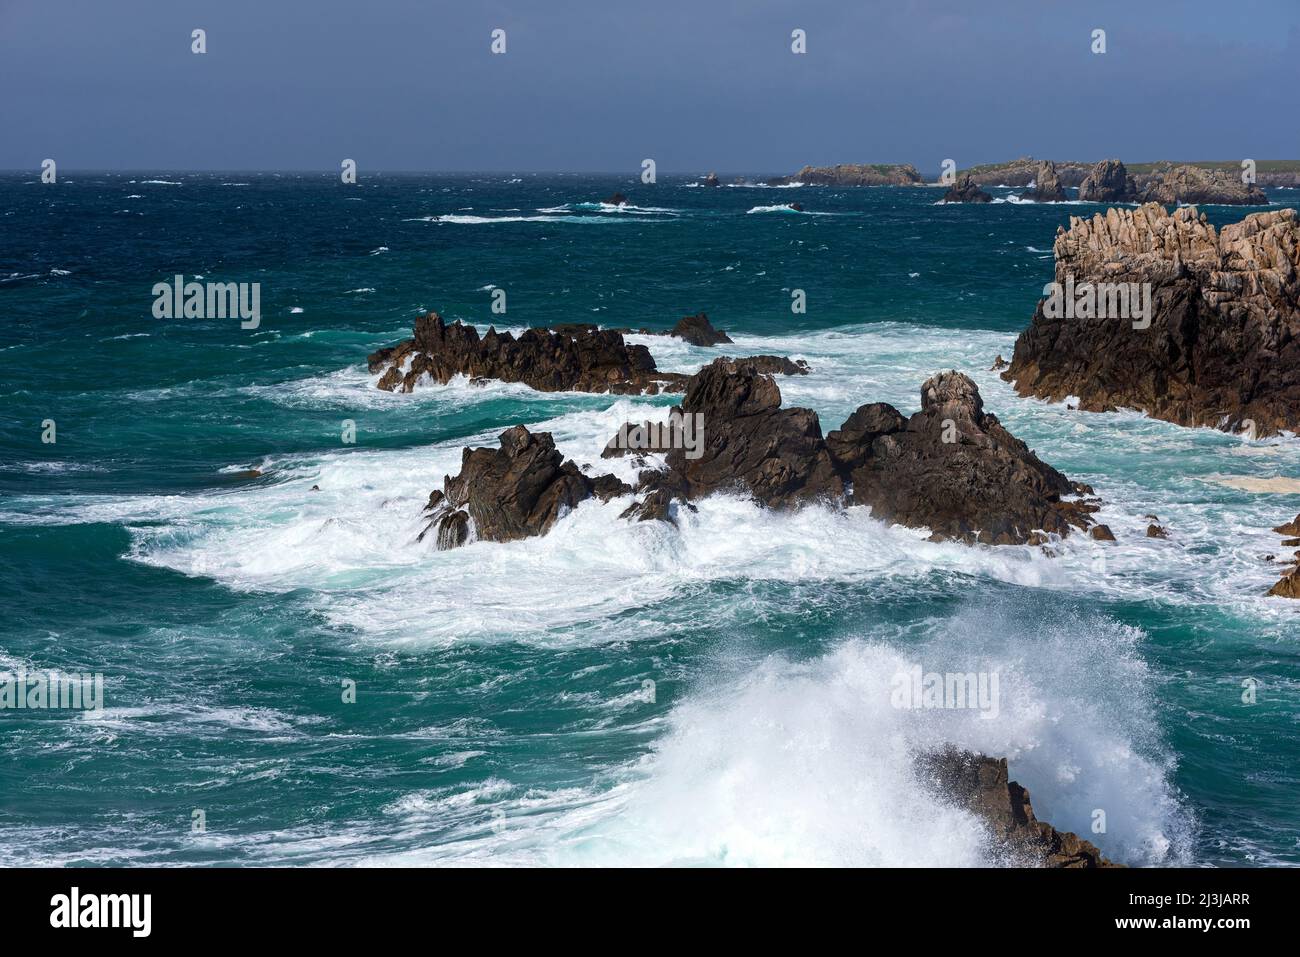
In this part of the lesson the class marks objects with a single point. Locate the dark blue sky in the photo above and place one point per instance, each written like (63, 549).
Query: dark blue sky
(601, 84)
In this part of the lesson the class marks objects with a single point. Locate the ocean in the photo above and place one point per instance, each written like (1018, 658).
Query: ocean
(612, 693)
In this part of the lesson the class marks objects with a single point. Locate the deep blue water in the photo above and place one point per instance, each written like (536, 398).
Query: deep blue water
(500, 713)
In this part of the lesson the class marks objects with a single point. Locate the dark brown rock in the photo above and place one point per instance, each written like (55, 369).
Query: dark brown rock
(1156, 531)
(750, 443)
(512, 492)
(575, 357)
(776, 365)
(618, 199)
(966, 190)
(1290, 528)
(982, 786)
(1102, 533)
(1221, 344)
(954, 469)
(698, 331)
(710, 180)
(999, 364)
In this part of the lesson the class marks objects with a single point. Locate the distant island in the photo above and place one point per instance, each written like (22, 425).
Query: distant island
(1025, 170)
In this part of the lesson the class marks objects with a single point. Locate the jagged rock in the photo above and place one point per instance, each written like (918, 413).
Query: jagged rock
(618, 199)
(953, 468)
(776, 365)
(656, 506)
(698, 331)
(512, 492)
(710, 180)
(1109, 182)
(858, 174)
(1192, 185)
(999, 364)
(982, 786)
(776, 455)
(578, 358)
(965, 190)
(1288, 586)
(1219, 347)
(1290, 528)
(797, 207)
(1156, 531)
(1102, 533)
(1047, 185)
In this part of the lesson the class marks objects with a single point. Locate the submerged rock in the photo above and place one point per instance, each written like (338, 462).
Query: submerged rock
(982, 785)
(711, 180)
(966, 190)
(1220, 337)
(618, 199)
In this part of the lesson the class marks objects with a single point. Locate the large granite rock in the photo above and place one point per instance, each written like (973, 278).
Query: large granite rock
(859, 174)
(1108, 182)
(966, 190)
(953, 468)
(515, 491)
(577, 358)
(1220, 347)
(1047, 185)
(1192, 185)
(982, 786)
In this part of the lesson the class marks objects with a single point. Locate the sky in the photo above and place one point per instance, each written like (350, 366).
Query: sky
(600, 85)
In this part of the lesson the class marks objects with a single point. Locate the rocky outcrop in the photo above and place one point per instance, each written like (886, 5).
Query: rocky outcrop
(1026, 170)
(515, 491)
(855, 174)
(711, 180)
(749, 442)
(953, 468)
(1219, 346)
(775, 365)
(950, 467)
(982, 785)
(1108, 182)
(1193, 185)
(576, 358)
(698, 331)
(618, 199)
(1288, 586)
(1047, 185)
(965, 190)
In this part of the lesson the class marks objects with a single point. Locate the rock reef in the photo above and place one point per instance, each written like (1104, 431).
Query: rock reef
(982, 786)
(1219, 347)
(951, 467)
(965, 190)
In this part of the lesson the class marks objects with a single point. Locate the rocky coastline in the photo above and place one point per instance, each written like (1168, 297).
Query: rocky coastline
(1223, 331)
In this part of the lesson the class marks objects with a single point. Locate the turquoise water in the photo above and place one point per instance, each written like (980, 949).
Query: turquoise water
(501, 715)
